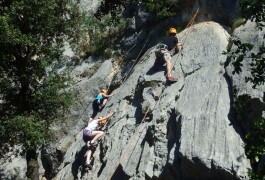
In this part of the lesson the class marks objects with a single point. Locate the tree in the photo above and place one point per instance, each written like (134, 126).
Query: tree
(162, 9)
(32, 33)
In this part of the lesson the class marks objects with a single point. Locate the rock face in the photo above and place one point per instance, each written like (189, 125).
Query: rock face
(13, 165)
(188, 133)
(248, 33)
(89, 6)
(223, 12)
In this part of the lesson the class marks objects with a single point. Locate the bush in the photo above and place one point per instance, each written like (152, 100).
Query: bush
(162, 9)
(238, 22)
(97, 35)
(29, 130)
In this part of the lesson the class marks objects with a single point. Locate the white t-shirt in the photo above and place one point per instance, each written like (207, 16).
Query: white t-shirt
(92, 125)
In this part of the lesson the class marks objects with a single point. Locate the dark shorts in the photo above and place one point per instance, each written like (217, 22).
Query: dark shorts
(97, 103)
(87, 135)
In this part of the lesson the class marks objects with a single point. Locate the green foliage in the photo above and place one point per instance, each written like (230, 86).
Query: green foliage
(31, 36)
(238, 22)
(254, 176)
(28, 129)
(255, 138)
(162, 9)
(98, 35)
(257, 63)
(255, 144)
(111, 6)
(254, 10)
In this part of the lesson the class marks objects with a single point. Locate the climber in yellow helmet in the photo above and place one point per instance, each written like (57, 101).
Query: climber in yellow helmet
(169, 46)
(100, 101)
(90, 135)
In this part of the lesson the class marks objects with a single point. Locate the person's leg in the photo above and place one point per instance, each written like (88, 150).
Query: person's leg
(95, 109)
(167, 59)
(96, 135)
(168, 68)
(104, 101)
(88, 155)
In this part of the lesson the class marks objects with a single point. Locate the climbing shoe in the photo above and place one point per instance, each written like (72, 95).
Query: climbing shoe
(171, 79)
(91, 144)
(88, 165)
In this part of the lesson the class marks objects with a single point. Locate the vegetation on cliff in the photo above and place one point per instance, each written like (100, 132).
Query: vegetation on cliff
(32, 35)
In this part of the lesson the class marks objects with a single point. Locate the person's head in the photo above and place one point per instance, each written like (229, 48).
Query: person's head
(101, 122)
(172, 31)
(104, 91)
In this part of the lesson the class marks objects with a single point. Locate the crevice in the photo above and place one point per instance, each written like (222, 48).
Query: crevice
(232, 115)
(119, 174)
(191, 72)
(173, 136)
(101, 158)
(32, 165)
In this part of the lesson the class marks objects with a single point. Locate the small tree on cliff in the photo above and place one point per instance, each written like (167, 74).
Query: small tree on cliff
(31, 36)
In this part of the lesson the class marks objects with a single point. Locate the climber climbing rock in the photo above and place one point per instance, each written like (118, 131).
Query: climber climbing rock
(90, 136)
(164, 52)
(100, 101)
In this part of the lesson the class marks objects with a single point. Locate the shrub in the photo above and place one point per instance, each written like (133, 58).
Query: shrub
(97, 35)
(238, 22)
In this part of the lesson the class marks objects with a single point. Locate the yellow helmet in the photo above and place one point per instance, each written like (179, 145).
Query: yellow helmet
(103, 91)
(172, 31)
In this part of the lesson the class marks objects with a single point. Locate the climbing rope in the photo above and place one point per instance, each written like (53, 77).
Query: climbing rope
(119, 66)
(186, 35)
(130, 144)
(126, 149)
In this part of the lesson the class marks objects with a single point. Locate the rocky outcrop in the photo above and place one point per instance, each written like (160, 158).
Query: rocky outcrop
(187, 134)
(243, 92)
(13, 164)
(89, 6)
(90, 77)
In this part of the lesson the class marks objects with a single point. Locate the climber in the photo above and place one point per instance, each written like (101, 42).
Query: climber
(164, 51)
(100, 101)
(90, 136)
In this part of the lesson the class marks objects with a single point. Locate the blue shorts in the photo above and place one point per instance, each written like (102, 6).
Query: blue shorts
(87, 135)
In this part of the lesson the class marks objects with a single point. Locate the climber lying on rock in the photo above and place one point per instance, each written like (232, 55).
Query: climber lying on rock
(90, 136)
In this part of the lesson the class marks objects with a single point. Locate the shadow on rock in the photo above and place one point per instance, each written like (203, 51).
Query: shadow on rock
(154, 70)
(79, 161)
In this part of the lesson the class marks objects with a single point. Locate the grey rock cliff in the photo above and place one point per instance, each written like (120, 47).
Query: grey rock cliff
(188, 134)
(248, 33)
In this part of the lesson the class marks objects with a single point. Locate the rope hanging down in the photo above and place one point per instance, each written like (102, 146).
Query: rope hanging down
(186, 35)
(126, 149)
(119, 66)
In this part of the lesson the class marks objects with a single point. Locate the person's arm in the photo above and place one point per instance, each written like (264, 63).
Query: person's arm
(107, 117)
(105, 95)
(111, 114)
(178, 47)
